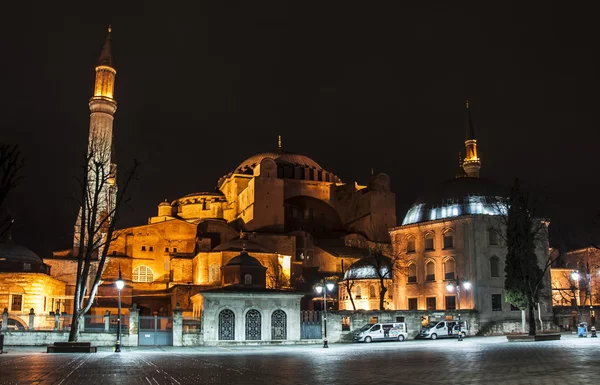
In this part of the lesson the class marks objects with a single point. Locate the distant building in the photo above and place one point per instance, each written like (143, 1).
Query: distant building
(454, 232)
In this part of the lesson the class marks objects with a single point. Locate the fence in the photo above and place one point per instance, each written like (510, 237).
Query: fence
(310, 325)
(62, 322)
(191, 325)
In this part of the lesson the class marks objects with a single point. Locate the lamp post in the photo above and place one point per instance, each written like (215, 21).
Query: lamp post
(587, 277)
(450, 287)
(320, 288)
(120, 284)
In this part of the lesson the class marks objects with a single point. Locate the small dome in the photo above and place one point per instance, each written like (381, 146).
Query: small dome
(244, 260)
(456, 197)
(165, 203)
(240, 245)
(366, 268)
(11, 252)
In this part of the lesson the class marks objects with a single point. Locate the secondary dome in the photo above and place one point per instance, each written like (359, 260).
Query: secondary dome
(280, 157)
(16, 258)
(456, 197)
(244, 260)
(366, 268)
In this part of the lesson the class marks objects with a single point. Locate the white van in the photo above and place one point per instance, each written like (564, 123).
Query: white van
(444, 329)
(392, 331)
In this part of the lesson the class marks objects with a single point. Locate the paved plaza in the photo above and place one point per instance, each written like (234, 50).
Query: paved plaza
(476, 360)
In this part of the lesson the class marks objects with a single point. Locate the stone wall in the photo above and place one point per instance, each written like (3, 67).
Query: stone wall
(43, 338)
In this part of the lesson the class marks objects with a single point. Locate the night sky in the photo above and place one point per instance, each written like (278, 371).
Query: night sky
(353, 85)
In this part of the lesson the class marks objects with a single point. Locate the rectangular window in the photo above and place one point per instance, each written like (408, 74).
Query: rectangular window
(493, 237)
(373, 320)
(16, 303)
(450, 302)
(52, 305)
(514, 308)
(448, 241)
(429, 243)
(151, 248)
(166, 249)
(496, 302)
(400, 319)
(143, 248)
(410, 246)
(45, 300)
(174, 249)
(413, 304)
(431, 305)
(345, 324)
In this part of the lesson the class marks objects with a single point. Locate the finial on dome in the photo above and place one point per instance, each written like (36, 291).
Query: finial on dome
(109, 28)
(467, 104)
(279, 142)
(244, 248)
(460, 161)
(165, 199)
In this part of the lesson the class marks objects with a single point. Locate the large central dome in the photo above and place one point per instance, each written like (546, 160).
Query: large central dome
(280, 157)
(456, 197)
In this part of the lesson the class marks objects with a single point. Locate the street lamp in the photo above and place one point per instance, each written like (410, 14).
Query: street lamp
(323, 289)
(587, 277)
(450, 287)
(120, 284)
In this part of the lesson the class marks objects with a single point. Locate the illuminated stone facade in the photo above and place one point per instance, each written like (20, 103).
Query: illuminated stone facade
(286, 209)
(26, 285)
(454, 232)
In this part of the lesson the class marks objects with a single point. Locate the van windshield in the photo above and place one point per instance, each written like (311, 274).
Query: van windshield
(430, 325)
(366, 327)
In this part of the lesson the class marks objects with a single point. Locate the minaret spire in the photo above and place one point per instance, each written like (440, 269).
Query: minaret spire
(472, 163)
(102, 180)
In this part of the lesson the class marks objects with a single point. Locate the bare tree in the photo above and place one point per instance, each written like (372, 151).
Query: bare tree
(100, 208)
(11, 163)
(276, 275)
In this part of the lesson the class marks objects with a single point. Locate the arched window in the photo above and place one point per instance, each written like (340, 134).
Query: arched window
(358, 292)
(494, 266)
(410, 244)
(142, 274)
(253, 325)
(448, 239)
(279, 325)
(372, 292)
(428, 242)
(226, 325)
(412, 273)
(430, 271)
(449, 268)
(247, 279)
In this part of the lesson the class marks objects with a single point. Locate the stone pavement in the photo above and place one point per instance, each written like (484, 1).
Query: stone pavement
(476, 360)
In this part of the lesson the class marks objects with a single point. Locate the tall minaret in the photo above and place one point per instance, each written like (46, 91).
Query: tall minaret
(471, 163)
(102, 167)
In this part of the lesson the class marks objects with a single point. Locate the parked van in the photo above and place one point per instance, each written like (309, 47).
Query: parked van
(444, 329)
(395, 331)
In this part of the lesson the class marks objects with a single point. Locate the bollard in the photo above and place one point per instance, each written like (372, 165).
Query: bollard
(594, 332)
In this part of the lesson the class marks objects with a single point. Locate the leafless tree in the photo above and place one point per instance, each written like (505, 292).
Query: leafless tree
(276, 275)
(96, 224)
(11, 164)
(348, 285)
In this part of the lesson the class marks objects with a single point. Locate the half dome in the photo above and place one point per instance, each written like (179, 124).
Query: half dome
(456, 197)
(280, 157)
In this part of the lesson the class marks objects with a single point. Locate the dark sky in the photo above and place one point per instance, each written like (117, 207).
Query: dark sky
(353, 85)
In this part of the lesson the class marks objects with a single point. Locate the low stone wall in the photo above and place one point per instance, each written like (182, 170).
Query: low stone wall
(499, 328)
(261, 343)
(45, 338)
(192, 339)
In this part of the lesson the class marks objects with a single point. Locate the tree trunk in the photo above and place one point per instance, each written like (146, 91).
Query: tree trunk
(532, 324)
(74, 332)
(382, 296)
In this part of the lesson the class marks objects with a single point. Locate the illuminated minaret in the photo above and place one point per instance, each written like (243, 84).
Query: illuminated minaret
(102, 170)
(471, 163)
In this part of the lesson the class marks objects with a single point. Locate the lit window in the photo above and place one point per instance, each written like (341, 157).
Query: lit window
(358, 292)
(449, 268)
(372, 292)
(16, 303)
(429, 245)
(142, 274)
(430, 271)
(412, 273)
(345, 324)
(448, 240)
(410, 245)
